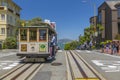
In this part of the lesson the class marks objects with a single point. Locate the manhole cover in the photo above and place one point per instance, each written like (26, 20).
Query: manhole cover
(56, 64)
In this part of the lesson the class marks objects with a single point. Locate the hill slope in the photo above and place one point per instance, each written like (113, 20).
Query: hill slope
(62, 42)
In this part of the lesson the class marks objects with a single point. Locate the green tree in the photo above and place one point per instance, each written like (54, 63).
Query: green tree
(34, 22)
(87, 34)
(21, 23)
(71, 46)
(117, 37)
(67, 46)
(92, 29)
(82, 40)
(10, 43)
(100, 27)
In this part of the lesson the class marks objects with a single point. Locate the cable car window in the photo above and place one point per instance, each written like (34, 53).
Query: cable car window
(33, 34)
(23, 34)
(42, 35)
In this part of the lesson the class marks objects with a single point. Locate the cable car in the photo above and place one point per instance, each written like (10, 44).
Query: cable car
(34, 41)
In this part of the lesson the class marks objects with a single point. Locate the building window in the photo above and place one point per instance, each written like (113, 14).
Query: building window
(2, 30)
(118, 11)
(8, 19)
(15, 21)
(3, 4)
(3, 17)
(11, 19)
(17, 11)
(118, 28)
(100, 17)
(42, 35)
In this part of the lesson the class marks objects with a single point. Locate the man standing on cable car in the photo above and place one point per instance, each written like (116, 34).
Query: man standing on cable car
(53, 44)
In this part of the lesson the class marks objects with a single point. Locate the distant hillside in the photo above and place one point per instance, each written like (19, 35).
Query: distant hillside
(62, 42)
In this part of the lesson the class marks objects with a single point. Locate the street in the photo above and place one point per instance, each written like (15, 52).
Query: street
(106, 65)
(8, 60)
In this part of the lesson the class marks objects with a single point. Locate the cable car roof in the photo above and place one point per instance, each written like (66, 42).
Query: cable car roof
(50, 28)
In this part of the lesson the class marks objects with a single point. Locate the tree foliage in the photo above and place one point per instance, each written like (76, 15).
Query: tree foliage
(67, 46)
(100, 27)
(71, 46)
(10, 43)
(33, 22)
(117, 37)
(89, 33)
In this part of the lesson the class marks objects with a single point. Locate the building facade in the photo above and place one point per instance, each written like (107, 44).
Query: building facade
(9, 15)
(93, 20)
(109, 17)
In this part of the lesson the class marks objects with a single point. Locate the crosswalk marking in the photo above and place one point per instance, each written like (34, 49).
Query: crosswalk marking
(78, 50)
(59, 50)
(6, 54)
(7, 68)
(107, 65)
(5, 65)
(9, 61)
(99, 53)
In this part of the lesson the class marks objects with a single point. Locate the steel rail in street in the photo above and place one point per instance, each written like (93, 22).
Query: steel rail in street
(101, 77)
(78, 69)
(22, 71)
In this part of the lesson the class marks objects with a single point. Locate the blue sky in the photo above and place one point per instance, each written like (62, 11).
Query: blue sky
(71, 16)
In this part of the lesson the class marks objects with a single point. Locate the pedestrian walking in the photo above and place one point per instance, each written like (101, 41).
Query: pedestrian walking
(114, 49)
(117, 46)
(90, 44)
(102, 48)
(107, 48)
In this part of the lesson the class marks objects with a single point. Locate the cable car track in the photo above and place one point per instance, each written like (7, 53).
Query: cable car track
(79, 69)
(22, 72)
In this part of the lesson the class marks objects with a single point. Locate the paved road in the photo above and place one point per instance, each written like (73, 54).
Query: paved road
(51, 72)
(107, 65)
(8, 60)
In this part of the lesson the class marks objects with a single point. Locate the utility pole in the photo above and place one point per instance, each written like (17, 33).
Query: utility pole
(94, 17)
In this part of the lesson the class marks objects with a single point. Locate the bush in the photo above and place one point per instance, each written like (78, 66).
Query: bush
(101, 43)
(93, 47)
(108, 41)
(10, 43)
(117, 37)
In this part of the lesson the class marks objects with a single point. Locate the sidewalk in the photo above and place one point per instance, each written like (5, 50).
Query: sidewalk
(109, 52)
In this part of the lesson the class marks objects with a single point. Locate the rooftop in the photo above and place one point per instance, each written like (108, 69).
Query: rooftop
(112, 3)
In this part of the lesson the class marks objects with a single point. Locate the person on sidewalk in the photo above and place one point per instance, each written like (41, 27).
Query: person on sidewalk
(117, 46)
(102, 48)
(114, 49)
(107, 48)
(90, 44)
